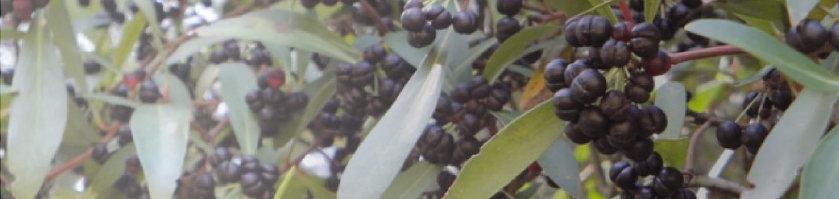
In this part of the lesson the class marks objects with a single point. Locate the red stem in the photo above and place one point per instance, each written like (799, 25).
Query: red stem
(627, 15)
(676, 58)
(82, 157)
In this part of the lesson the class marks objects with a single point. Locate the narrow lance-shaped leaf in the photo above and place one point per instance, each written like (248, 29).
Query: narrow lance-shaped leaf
(39, 112)
(65, 40)
(512, 49)
(561, 166)
(790, 143)
(130, 36)
(319, 91)
(650, 8)
(508, 153)
(667, 98)
(821, 173)
(237, 80)
(413, 182)
(798, 10)
(160, 133)
(381, 154)
(757, 43)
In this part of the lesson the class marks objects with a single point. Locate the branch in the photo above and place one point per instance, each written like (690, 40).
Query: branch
(694, 144)
(82, 157)
(716, 183)
(704, 53)
(375, 17)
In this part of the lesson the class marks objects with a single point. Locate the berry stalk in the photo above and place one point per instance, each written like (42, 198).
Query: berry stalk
(704, 53)
(627, 15)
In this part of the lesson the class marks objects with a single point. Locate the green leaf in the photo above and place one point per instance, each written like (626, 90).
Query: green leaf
(236, 82)
(571, 7)
(178, 93)
(561, 166)
(398, 42)
(381, 154)
(39, 112)
(413, 182)
(11, 34)
(793, 64)
(754, 77)
(790, 143)
(191, 47)
(284, 28)
(65, 40)
(289, 188)
(205, 80)
(512, 49)
(672, 151)
(821, 173)
(799, 9)
(650, 9)
(707, 94)
(130, 34)
(160, 133)
(114, 167)
(505, 155)
(770, 10)
(320, 92)
(667, 98)
(365, 41)
(110, 99)
(603, 9)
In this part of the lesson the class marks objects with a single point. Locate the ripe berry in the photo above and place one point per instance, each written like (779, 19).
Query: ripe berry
(100, 153)
(565, 107)
(465, 22)
(626, 178)
(92, 67)
(644, 192)
(671, 178)
(109, 5)
(573, 133)
(640, 150)
(250, 164)
(588, 30)
(445, 180)
(603, 146)
(218, 56)
(251, 184)
(773, 79)
(259, 57)
(228, 172)
(588, 86)
(440, 18)
(645, 38)
(729, 134)
(807, 36)
(614, 53)
(412, 4)
(642, 79)
(507, 27)
(658, 65)
(692, 3)
(374, 53)
(757, 104)
(657, 119)
(508, 7)
(413, 19)
(683, 193)
(460, 93)
(593, 123)
(500, 95)
(270, 173)
(362, 74)
(441, 151)
(309, 3)
(132, 165)
(616, 105)
(650, 166)
(395, 67)
(466, 147)
(622, 135)
(617, 168)
(665, 27)
(753, 136)
(149, 92)
(220, 155)
(422, 38)
(554, 74)
(478, 87)
(621, 32)
(574, 69)
(469, 124)
(781, 98)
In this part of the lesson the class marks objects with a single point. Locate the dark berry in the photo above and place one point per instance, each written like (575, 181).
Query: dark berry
(657, 118)
(614, 53)
(683, 193)
(508, 7)
(636, 93)
(413, 19)
(100, 153)
(228, 172)
(466, 147)
(781, 98)
(231, 48)
(626, 178)
(7, 76)
(666, 28)
(603, 146)
(650, 166)
(573, 133)
(132, 165)
(362, 74)
(465, 22)
(574, 69)
(615, 105)
(218, 56)
(412, 4)
(251, 184)
(270, 173)
(554, 74)
(250, 164)
(642, 79)
(644, 192)
(500, 95)
(565, 107)
(220, 155)
(773, 79)
(807, 36)
(622, 135)
(373, 54)
(671, 178)
(259, 57)
(640, 150)
(621, 32)
(658, 65)
(92, 67)
(645, 38)
(440, 18)
(593, 123)
(109, 5)
(588, 86)
(588, 30)
(149, 92)
(460, 93)
(507, 27)
(469, 124)
(617, 168)
(692, 3)
(309, 3)
(729, 134)
(422, 38)
(478, 87)
(445, 180)
(753, 136)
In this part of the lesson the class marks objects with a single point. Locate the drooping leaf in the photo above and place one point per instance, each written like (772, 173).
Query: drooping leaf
(178, 93)
(398, 42)
(821, 173)
(114, 167)
(672, 151)
(791, 63)
(504, 156)
(799, 9)
(160, 135)
(668, 98)
(191, 47)
(772, 11)
(604, 10)
(512, 49)
(561, 166)
(707, 93)
(289, 187)
(205, 80)
(790, 143)
(237, 80)
(284, 28)
(381, 154)
(39, 112)
(411, 183)
(110, 99)
(650, 9)
(130, 34)
(65, 40)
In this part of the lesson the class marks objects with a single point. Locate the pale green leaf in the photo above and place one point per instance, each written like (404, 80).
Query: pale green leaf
(798, 10)
(237, 81)
(65, 40)
(669, 97)
(160, 133)
(421, 177)
(561, 166)
(821, 173)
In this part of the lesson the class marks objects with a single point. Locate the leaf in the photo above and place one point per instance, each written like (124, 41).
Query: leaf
(821, 173)
(512, 49)
(398, 42)
(571, 7)
(315, 186)
(320, 92)
(11, 34)
(289, 188)
(365, 41)
(284, 28)
(561, 166)
(650, 9)
(672, 151)
(771, 10)
(790, 143)
(39, 112)
(114, 167)
(754, 77)
(504, 156)
(791, 63)
(604, 10)
(130, 34)
(669, 97)
(111, 99)
(205, 80)
(178, 93)
(191, 47)
(65, 40)
(413, 182)
(708, 93)
(381, 154)
(160, 135)
(799, 9)
(236, 82)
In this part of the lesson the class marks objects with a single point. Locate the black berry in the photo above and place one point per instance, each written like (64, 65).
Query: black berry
(729, 134)
(588, 86)
(422, 38)
(465, 22)
(645, 38)
(413, 19)
(554, 74)
(807, 36)
(753, 136)
(508, 7)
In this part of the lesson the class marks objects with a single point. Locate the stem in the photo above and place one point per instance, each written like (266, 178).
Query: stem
(627, 15)
(376, 17)
(82, 157)
(694, 144)
(704, 53)
(716, 183)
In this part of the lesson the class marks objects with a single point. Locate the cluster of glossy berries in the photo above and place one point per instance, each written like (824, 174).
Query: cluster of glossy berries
(667, 182)
(256, 179)
(110, 7)
(147, 93)
(230, 51)
(766, 104)
(421, 25)
(355, 79)
(613, 46)
(271, 104)
(675, 19)
(127, 183)
(362, 15)
(809, 36)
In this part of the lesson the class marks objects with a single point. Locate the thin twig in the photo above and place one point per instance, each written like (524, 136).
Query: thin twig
(676, 58)
(716, 183)
(627, 15)
(694, 144)
(82, 157)
(375, 17)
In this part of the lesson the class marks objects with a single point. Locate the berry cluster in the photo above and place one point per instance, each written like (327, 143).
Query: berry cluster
(507, 26)
(759, 105)
(127, 183)
(675, 18)
(421, 24)
(667, 183)
(809, 36)
(271, 104)
(363, 16)
(256, 179)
